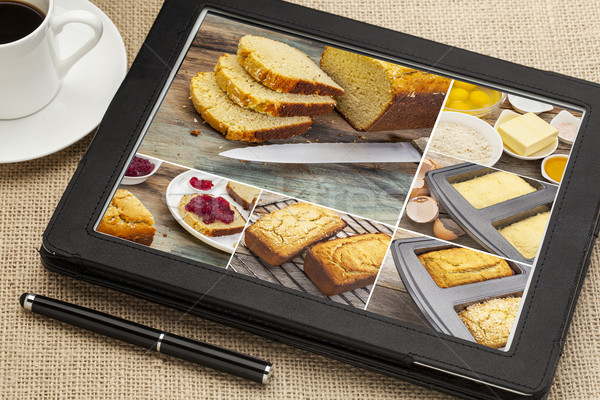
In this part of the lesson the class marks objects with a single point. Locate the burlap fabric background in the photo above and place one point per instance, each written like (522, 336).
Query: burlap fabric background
(41, 358)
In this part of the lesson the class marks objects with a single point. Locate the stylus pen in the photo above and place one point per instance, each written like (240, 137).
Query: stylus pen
(211, 356)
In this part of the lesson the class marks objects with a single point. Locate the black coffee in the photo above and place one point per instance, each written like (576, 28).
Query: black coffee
(18, 20)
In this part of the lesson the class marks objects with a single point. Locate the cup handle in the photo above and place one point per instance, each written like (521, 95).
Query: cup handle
(84, 17)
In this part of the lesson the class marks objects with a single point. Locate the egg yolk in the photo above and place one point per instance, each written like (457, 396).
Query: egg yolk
(479, 98)
(458, 94)
(464, 85)
(555, 168)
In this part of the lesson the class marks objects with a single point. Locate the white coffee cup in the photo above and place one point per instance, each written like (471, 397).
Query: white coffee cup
(32, 68)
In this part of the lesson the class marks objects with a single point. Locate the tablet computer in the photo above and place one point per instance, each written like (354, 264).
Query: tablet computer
(398, 204)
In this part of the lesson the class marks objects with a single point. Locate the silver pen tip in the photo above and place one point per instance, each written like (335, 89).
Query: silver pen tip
(26, 300)
(267, 374)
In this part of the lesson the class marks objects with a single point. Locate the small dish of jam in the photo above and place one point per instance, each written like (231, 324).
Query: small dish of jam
(139, 169)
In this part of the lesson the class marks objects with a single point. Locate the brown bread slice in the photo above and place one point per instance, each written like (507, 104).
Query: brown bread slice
(284, 68)
(217, 228)
(247, 92)
(244, 195)
(239, 123)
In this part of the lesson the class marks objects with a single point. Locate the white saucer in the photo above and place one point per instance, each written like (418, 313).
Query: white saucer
(82, 100)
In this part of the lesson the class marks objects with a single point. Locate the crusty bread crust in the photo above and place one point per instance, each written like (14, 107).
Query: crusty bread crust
(332, 278)
(250, 135)
(276, 81)
(382, 96)
(272, 253)
(257, 101)
(265, 252)
(418, 111)
(127, 218)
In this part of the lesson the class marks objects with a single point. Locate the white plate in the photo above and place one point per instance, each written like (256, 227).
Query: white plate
(524, 105)
(82, 100)
(480, 126)
(136, 180)
(507, 115)
(179, 187)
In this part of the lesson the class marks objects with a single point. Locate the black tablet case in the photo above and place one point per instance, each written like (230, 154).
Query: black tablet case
(72, 247)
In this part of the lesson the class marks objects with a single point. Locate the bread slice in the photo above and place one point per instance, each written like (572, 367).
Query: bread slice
(244, 195)
(239, 123)
(283, 234)
(344, 264)
(284, 68)
(127, 218)
(247, 92)
(383, 96)
(216, 228)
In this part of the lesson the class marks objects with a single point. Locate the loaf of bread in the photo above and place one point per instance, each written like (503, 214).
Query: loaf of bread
(213, 217)
(127, 218)
(284, 68)
(383, 96)
(283, 234)
(340, 265)
(236, 122)
(490, 322)
(244, 195)
(247, 92)
(460, 266)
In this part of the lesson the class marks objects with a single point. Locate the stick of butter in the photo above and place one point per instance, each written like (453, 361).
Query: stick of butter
(527, 134)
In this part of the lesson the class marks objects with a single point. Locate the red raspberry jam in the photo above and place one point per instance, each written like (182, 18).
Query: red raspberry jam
(139, 167)
(203, 184)
(211, 209)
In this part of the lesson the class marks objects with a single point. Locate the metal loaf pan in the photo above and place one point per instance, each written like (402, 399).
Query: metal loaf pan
(440, 306)
(483, 224)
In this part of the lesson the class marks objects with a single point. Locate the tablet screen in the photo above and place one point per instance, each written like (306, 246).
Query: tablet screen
(373, 183)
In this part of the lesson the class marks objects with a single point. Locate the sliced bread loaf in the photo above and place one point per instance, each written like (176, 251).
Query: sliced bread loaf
(381, 95)
(284, 68)
(215, 208)
(239, 123)
(244, 195)
(247, 92)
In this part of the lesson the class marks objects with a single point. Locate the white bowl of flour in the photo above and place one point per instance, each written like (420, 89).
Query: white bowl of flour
(466, 137)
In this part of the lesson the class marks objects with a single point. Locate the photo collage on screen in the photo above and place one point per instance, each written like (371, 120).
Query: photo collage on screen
(371, 184)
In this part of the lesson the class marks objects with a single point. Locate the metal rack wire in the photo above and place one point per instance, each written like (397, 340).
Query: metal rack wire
(291, 274)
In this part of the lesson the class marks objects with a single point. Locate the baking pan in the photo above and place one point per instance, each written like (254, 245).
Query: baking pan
(441, 305)
(483, 224)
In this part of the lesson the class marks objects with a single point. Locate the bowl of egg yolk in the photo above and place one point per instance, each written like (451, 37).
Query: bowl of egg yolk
(472, 99)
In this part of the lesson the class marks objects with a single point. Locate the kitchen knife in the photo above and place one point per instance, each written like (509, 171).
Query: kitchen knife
(324, 153)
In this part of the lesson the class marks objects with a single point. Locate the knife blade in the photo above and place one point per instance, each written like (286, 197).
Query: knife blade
(326, 153)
